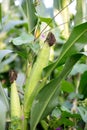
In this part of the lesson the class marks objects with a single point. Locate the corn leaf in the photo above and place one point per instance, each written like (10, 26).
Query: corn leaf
(46, 94)
(32, 18)
(78, 35)
(4, 53)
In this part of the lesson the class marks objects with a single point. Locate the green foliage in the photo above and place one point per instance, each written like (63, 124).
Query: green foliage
(46, 20)
(0, 15)
(4, 97)
(83, 113)
(23, 39)
(40, 104)
(77, 33)
(57, 96)
(4, 53)
(32, 19)
(83, 83)
(4, 107)
(2, 115)
(67, 87)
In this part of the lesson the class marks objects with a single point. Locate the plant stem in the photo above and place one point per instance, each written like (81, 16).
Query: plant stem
(25, 124)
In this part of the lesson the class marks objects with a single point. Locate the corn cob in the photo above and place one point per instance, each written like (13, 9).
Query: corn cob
(35, 76)
(15, 104)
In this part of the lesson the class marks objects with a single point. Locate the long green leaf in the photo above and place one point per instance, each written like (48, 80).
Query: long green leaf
(65, 16)
(77, 35)
(54, 100)
(79, 12)
(83, 84)
(32, 19)
(2, 115)
(4, 97)
(0, 15)
(51, 105)
(4, 107)
(48, 91)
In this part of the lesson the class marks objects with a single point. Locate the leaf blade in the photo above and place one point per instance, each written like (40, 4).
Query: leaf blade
(4, 53)
(76, 34)
(48, 91)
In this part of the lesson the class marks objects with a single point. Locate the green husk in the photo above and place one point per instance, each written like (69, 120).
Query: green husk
(35, 76)
(15, 108)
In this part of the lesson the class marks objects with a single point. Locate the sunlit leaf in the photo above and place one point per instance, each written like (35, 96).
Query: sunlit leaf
(4, 107)
(2, 115)
(67, 86)
(83, 113)
(47, 21)
(56, 112)
(4, 97)
(24, 38)
(4, 66)
(79, 68)
(12, 23)
(4, 53)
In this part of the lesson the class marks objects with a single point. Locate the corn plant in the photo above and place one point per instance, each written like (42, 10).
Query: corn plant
(52, 93)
